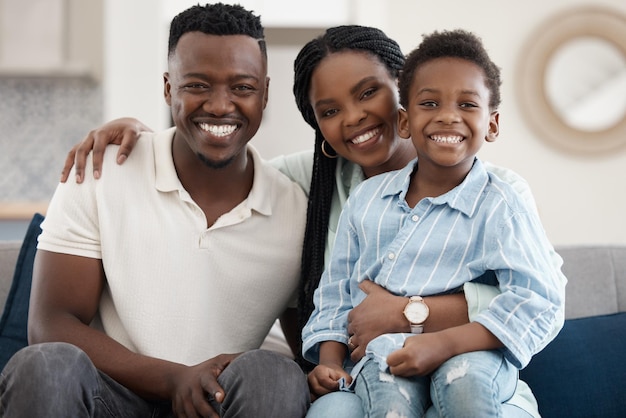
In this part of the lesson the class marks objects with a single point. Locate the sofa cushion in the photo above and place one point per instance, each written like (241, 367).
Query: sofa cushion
(13, 324)
(581, 373)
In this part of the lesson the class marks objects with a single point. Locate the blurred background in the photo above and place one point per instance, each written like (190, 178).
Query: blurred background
(67, 66)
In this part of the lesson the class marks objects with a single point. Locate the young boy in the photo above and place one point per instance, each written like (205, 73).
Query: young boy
(427, 229)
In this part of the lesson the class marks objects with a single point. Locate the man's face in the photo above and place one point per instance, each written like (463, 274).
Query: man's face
(217, 90)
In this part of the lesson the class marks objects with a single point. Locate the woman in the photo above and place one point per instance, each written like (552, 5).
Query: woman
(345, 88)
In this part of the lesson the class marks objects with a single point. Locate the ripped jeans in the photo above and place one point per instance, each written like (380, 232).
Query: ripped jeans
(469, 385)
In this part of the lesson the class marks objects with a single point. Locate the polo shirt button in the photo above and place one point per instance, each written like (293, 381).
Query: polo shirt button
(415, 218)
(391, 256)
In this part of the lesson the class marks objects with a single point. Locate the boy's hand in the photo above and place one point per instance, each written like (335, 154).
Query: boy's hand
(325, 379)
(421, 355)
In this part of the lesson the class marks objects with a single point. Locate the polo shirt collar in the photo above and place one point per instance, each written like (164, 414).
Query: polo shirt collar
(166, 179)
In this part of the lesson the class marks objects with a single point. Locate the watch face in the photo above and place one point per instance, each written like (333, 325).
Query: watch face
(416, 312)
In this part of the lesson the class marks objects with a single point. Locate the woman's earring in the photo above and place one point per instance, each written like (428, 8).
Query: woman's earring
(326, 152)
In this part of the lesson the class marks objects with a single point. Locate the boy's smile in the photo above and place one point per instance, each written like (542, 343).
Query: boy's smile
(448, 115)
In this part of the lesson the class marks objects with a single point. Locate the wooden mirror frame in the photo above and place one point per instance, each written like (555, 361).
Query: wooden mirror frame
(601, 23)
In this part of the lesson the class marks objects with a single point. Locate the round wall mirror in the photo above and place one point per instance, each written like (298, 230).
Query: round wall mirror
(572, 81)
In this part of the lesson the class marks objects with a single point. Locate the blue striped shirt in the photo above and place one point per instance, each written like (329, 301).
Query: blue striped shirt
(482, 228)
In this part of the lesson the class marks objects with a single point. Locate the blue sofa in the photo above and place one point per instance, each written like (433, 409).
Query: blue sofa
(581, 373)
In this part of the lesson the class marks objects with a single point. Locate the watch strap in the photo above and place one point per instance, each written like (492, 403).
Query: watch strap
(417, 329)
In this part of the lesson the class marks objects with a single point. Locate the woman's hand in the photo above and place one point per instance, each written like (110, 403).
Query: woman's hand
(379, 313)
(124, 132)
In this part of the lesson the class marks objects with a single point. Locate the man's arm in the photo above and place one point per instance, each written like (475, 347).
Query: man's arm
(65, 297)
(64, 300)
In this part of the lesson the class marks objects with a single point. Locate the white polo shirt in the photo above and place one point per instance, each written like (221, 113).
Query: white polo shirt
(176, 290)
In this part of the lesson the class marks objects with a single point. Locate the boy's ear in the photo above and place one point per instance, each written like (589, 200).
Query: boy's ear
(494, 127)
(403, 124)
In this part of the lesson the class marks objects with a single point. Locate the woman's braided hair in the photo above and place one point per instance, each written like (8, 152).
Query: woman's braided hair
(336, 39)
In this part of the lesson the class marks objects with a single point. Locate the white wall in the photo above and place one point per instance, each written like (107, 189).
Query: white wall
(135, 46)
(581, 198)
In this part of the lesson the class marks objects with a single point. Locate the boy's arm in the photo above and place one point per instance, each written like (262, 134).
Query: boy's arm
(332, 354)
(332, 298)
(325, 377)
(424, 353)
(531, 306)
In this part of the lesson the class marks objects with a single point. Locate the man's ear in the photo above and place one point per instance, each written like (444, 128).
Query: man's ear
(494, 127)
(403, 124)
(267, 92)
(167, 87)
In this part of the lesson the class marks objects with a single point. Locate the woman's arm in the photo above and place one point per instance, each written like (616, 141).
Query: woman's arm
(381, 312)
(124, 132)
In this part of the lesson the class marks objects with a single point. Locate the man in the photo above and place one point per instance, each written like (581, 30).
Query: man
(124, 319)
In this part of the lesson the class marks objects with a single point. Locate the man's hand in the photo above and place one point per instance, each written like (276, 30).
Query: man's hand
(193, 388)
(379, 313)
(124, 132)
(421, 355)
(325, 379)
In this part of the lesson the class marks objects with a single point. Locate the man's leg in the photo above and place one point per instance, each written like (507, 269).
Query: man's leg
(59, 380)
(263, 384)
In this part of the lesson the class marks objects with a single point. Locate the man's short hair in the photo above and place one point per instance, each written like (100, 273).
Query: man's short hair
(217, 19)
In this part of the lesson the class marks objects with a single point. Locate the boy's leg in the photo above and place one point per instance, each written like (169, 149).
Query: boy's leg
(473, 385)
(59, 380)
(383, 394)
(261, 383)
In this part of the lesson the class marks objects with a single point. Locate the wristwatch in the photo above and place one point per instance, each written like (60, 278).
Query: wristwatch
(416, 311)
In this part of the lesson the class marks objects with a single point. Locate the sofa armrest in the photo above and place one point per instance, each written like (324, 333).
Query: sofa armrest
(9, 251)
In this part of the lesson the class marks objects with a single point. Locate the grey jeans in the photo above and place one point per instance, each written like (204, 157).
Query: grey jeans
(59, 380)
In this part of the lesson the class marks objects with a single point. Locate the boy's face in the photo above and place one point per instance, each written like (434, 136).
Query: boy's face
(217, 89)
(448, 116)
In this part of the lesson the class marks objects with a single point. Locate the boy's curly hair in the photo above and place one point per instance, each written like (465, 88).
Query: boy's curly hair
(456, 44)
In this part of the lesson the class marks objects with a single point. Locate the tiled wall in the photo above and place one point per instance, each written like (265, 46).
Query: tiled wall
(40, 119)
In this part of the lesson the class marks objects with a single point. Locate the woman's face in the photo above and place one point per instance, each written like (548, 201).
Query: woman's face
(355, 102)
